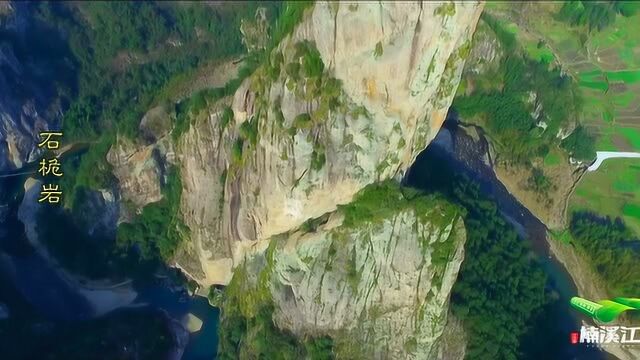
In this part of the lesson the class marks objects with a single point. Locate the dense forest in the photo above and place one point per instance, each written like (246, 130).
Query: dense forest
(123, 57)
(596, 15)
(612, 250)
(507, 98)
(117, 60)
(500, 286)
(247, 329)
(140, 247)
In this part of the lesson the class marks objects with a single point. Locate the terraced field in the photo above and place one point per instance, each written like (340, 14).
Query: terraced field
(606, 65)
(613, 190)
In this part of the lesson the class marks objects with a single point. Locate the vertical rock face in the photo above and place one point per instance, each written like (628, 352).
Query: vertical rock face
(350, 98)
(138, 171)
(379, 288)
(28, 103)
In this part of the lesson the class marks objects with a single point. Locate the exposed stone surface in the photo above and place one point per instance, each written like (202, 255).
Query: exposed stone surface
(453, 345)
(192, 323)
(156, 123)
(485, 58)
(550, 207)
(101, 297)
(140, 170)
(392, 103)
(379, 289)
(97, 211)
(28, 103)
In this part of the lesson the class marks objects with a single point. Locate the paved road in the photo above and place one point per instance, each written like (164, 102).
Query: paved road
(604, 155)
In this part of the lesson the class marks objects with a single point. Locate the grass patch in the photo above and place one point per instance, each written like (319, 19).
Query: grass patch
(562, 236)
(539, 52)
(597, 85)
(380, 201)
(632, 135)
(552, 159)
(626, 76)
(609, 190)
(631, 210)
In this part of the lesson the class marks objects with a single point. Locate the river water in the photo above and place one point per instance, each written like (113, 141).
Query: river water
(27, 276)
(33, 278)
(470, 155)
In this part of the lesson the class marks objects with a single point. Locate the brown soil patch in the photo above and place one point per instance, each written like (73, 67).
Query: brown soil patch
(210, 75)
(587, 281)
(550, 207)
(621, 143)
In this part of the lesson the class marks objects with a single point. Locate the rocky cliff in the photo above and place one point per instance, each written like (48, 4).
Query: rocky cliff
(379, 286)
(28, 100)
(349, 98)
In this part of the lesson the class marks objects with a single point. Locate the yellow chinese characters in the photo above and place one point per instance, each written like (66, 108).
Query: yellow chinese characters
(48, 139)
(50, 193)
(50, 166)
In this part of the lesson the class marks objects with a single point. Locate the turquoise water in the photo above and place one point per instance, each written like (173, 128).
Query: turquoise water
(202, 344)
(465, 155)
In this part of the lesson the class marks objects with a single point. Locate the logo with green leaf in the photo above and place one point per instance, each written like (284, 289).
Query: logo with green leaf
(605, 310)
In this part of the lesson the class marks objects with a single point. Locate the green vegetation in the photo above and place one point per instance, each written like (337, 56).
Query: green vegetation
(249, 130)
(227, 117)
(151, 239)
(540, 52)
(580, 144)
(596, 15)
(631, 210)
(608, 84)
(89, 170)
(611, 248)
(293, 71)
(91, 256)
(632, 136)
(308, 79)
(447, 9)
(312, 65)
(504, 103)
(318, 158)
(247, 329)
(302, 121)
(608, 195)
(319, 348)
(552, 159)
(114, 61)
(103, 35)
(539, 182)
(516, 281)
(382, 200)
(377, 52)
(216, 296)
(158, 230)
(500, 286)
(114, 58)
(236, 151)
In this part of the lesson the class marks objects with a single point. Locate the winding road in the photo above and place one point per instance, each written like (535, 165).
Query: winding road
(601, 156)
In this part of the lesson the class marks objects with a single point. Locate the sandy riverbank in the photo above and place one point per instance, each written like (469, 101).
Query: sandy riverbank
(104, 296)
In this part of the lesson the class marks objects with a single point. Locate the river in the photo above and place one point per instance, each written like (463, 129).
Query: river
(27, 276)
(470, 155)
(33, 278)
